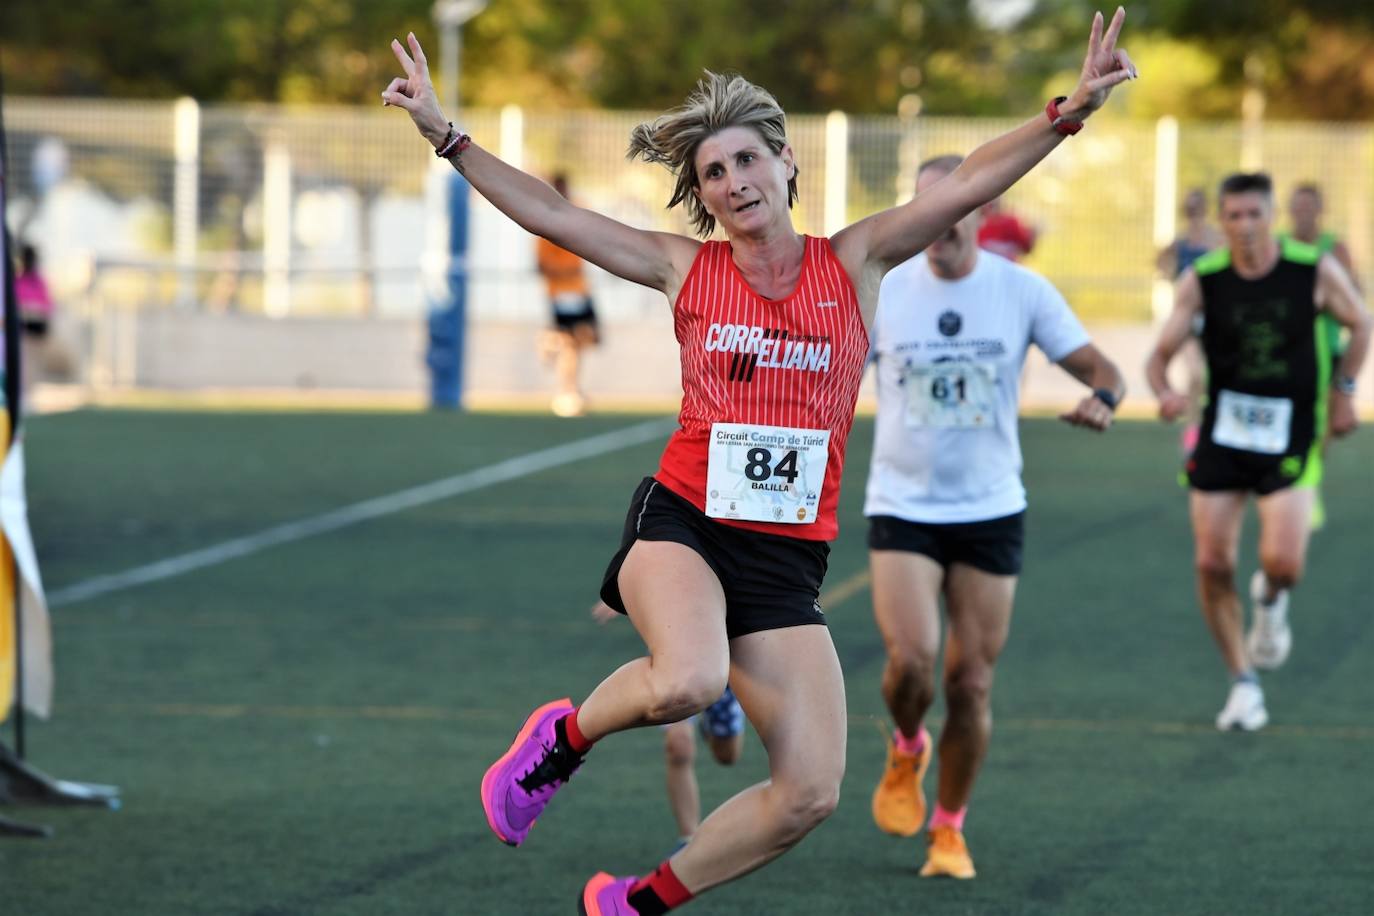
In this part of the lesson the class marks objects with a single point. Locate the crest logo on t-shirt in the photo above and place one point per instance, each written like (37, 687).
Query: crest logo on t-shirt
(950, 323)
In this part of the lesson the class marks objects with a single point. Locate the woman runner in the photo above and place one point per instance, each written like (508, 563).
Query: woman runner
(725, 545)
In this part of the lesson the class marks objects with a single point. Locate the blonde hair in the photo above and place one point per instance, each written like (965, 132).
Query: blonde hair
(718, 102)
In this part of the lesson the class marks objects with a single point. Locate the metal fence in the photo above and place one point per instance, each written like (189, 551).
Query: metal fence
(338, 211)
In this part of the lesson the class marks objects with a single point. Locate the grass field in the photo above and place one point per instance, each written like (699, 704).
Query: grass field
(302, 730)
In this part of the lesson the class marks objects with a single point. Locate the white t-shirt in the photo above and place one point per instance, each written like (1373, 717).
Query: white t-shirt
(949, 355)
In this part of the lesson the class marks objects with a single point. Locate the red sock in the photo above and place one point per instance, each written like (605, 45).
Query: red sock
(658, 892)
(576, 740)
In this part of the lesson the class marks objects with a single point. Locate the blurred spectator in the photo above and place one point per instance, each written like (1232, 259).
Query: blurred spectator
(1004, 233)
(35, 302)
(1198, 237)
(574, 318)
(40, 355)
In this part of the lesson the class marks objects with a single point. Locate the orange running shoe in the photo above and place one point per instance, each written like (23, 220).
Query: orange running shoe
(899, 805)
(948, 854)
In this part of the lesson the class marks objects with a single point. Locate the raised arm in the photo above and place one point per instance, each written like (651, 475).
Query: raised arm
(1337, 296)
(655, 259)
(892, 236)
(1178, 327)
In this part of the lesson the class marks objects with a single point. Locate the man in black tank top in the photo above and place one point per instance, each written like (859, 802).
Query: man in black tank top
(1272, 394)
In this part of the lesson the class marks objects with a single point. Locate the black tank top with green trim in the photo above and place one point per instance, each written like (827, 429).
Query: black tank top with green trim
(1260, 340)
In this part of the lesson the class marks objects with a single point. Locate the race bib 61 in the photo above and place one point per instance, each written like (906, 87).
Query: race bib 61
(951, 394)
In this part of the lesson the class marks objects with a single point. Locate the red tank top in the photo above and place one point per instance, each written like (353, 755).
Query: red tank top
(794, 362)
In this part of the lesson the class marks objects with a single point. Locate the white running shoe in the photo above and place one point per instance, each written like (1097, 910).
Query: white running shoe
(1270, 639)
(1244, 708)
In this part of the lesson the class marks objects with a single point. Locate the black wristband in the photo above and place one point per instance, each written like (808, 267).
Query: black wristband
(1106, 396)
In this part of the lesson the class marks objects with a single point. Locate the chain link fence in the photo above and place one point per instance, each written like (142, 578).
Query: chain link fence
(300, 212)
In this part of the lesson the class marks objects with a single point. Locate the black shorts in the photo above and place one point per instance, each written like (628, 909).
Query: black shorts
(770, 581)
(994, 546)
(36, 327)
(1215, 468)
(569, 320)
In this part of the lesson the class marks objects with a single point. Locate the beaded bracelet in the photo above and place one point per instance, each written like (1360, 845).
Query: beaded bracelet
(454, 144)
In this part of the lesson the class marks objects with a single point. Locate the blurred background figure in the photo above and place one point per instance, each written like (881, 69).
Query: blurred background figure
(574, 318)
(35, 302)
(1199, 236)
(1305, 207)
(1004, 233)
(35, 312)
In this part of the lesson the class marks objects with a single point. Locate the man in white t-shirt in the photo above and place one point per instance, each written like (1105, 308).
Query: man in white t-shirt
(945, 500)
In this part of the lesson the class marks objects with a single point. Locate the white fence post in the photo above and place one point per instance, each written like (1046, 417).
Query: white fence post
(513, 136)
(276, 228)
(836, 171)
(186, 195)
(514, 249)
(1166, 209)
(1252, 104)
(908, 160)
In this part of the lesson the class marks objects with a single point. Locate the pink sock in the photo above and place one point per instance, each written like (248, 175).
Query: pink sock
(909, 745)
(943, 818)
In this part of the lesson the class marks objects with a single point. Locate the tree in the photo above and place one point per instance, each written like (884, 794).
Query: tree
(1312, 58)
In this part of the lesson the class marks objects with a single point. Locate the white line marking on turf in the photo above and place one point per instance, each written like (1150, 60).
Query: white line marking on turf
(842, 591)
(1199, 728)
(510, 469)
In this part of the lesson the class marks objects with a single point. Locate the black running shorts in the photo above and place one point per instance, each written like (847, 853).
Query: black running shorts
(569, 320)
(1215, 468)
(770, 581)
(994, 546)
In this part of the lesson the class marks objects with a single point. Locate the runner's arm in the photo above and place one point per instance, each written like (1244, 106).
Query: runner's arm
(1341, 252)
(659, 260)
(1178, 327)
(1091, 367)
(1166, 262)
(892, 236)
(1337, 296)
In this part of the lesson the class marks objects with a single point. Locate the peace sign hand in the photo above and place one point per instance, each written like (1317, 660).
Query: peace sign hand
(415, 93)
(1105, 67)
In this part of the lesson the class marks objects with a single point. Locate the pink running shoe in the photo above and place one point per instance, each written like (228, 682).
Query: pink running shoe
(516, 788)
(606, 895)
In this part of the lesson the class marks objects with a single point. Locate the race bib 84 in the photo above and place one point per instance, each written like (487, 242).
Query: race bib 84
(766, 473)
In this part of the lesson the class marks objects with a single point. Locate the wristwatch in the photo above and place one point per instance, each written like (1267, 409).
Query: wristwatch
(1106, 396)
(1345, 384)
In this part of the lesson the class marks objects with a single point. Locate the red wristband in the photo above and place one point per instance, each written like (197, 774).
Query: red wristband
(1062, 125)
